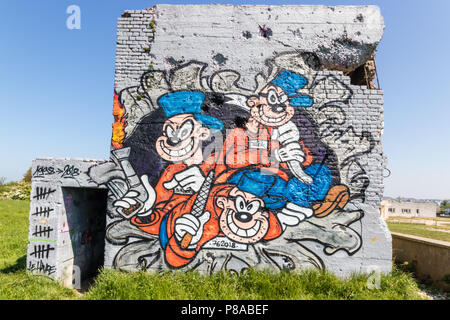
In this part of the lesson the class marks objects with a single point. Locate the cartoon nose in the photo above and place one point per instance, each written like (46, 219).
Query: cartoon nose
(243, 216)
(173, 141)
(278, 108)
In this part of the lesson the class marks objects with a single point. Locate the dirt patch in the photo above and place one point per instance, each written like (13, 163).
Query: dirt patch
(441, 230)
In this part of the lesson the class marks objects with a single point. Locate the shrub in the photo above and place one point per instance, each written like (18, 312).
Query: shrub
(16, 191)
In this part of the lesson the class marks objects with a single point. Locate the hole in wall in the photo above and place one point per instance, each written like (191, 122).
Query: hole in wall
(247, 34)
(220, 59)
(265, 32)
(85, 227)
(366, 74)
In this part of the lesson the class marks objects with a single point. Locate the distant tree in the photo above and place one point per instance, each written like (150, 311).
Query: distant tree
(27, 175)
(2, 181)
(444, 205)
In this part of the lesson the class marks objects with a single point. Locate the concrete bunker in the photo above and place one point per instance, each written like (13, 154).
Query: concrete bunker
(162, 191)
(67, 221)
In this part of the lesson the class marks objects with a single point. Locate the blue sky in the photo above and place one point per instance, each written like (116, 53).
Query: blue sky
(56, 85)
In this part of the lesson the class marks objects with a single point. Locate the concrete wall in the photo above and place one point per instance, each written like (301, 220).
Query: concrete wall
(430, 258)
(222, 60)
(238, 141)
(394, 208)
(67, 220)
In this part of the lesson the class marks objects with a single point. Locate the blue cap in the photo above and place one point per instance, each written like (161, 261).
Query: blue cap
(262, 183)
(188, 102)
(291, 82)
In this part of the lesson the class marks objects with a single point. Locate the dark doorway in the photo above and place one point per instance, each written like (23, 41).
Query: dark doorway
(85, 210)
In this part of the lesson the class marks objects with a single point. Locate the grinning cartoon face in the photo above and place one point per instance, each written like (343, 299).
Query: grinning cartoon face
(243, 218)
(271, 107)
(181, 138)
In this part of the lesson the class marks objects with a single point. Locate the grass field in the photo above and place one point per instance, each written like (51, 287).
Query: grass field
(310, 285)
(15, 283)
(420, 230)
(443, 219)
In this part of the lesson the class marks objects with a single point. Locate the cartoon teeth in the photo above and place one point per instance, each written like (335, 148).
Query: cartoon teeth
(177, 153)
(270, 120)
(246, 233)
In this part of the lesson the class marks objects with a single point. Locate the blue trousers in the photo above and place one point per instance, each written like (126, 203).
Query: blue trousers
(275, 191)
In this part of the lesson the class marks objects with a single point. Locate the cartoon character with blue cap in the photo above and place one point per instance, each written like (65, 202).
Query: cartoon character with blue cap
(273, 109)
(180, 143)
(270, 131)
(242, 211)
(238, 218)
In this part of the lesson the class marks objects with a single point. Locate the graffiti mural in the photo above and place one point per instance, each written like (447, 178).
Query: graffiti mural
(208, 175)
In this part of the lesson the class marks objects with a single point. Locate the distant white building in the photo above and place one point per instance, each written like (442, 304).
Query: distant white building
(411, 209)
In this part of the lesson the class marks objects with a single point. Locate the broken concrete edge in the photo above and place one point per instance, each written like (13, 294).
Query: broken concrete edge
(363, 73)
(366, 21)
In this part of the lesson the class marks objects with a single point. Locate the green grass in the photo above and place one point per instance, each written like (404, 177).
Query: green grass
(16, 283)
(20, 285)
(13, 231)
(419, 230)
(308, 285)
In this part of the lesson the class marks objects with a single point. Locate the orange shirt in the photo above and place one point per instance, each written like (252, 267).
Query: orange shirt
(178, 257)
(166, 199)
(243, 148)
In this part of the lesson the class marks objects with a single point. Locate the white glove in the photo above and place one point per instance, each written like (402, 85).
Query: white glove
(191, 178)
(287, 133)
(292, 151)
(193, 225)
(129, 199)
(291, 215)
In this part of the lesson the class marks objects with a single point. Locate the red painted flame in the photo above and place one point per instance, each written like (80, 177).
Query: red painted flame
(119, 123)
